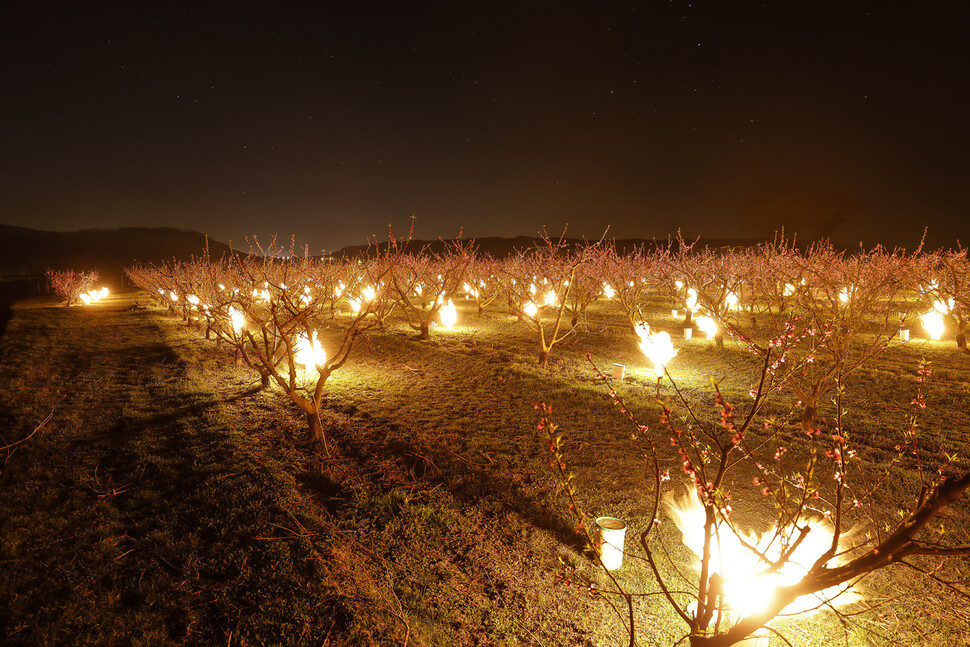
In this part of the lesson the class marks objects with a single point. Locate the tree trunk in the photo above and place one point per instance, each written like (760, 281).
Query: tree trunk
(808, 417)
(573, 321)
(264, 380)
(481, 311)
(239, 359)
(425, 334)
(687, 318)
(962, 336)
(543, 358)
(316, 431)
(719, 338)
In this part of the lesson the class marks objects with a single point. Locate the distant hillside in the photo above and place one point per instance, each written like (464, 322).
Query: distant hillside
(505, 247)
(31, 251)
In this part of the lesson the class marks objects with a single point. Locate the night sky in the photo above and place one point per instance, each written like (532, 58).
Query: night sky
(330, 121)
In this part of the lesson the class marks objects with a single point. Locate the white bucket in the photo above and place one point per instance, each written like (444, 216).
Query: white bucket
(618, 370)
(673, 313)
(904, 334)
(688, 333)
(610, 534)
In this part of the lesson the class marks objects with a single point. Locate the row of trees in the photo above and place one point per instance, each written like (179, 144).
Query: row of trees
(843, 309)
(71, 284)
(836, 311)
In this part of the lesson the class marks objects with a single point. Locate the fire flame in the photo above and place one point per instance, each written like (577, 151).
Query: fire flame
(657, 347)
(744, 558)
(691, 302)
(449, 315)
(309, 352)
(934, 324)
(93, 296)
(237, 318)
(708, 325)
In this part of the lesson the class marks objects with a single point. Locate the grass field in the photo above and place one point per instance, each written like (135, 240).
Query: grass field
(165, 499)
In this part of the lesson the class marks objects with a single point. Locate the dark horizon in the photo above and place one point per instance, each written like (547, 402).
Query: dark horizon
(330, 122)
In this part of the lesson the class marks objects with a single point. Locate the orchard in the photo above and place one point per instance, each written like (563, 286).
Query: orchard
(808, 320)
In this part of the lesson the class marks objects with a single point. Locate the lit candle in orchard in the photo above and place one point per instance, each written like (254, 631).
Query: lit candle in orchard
(551, 298)
(657, 347)
(608, 291)
(449, 315)
(531, 309)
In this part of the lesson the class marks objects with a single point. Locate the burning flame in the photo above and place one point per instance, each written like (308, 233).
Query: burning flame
(691, 302)
(309, 351)
(608, 291)
(551, 298)
(731, 300)
(368, 293)
(744, 558)
(708, 325)
(531, 309)
(934, 324)
(657, 347)
(237, 318)
(449, 315)
(93, 296)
